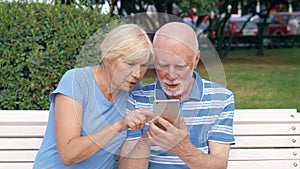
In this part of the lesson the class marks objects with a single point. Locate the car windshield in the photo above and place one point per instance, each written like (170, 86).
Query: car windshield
(285, 18)
(249, 25)
(296, 17)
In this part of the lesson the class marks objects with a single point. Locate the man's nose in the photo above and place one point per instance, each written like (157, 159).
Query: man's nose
(171, 73)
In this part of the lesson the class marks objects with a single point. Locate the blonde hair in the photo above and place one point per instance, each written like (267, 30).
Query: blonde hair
(127, 40)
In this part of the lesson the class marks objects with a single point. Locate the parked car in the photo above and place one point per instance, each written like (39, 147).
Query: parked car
(254, 18)
(192, 20)
(284, 23)
(236, 24)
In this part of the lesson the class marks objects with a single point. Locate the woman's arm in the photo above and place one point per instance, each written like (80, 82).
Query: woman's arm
(72, 147)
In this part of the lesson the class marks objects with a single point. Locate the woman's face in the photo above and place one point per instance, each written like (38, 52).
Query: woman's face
(127, 72)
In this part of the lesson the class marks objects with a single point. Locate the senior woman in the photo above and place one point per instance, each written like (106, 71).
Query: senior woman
(87, 122)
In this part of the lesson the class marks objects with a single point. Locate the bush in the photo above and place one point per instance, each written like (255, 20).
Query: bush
(38, 44)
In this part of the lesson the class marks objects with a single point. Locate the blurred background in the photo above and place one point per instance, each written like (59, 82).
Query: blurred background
(229, 23)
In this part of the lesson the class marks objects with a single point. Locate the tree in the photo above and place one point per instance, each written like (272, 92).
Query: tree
(219, 12)
(264, 14)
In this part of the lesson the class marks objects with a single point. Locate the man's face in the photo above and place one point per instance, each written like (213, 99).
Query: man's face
(174, 63)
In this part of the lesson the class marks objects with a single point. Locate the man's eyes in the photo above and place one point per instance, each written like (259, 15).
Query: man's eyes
(162, 65)
(180, 66)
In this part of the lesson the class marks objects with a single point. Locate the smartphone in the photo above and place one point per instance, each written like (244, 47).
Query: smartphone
(168, 109)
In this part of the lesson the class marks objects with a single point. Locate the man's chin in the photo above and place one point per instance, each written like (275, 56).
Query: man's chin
(172, 93)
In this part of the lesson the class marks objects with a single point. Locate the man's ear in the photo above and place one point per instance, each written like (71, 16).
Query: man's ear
(197, 59)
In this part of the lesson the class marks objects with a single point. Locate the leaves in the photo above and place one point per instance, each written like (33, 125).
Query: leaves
(38, 43)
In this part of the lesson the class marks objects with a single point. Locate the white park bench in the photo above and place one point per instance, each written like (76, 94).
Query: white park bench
(265, 138)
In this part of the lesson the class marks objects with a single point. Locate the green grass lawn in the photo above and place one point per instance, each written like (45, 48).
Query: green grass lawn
(270, 81)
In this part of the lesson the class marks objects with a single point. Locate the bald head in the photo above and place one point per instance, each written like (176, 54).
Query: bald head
(177, 31)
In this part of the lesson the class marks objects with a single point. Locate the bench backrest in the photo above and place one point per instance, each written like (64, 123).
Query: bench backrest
(265, 138)
(21, 133)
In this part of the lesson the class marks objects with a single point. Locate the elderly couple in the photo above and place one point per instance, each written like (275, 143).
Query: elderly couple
(98, 110)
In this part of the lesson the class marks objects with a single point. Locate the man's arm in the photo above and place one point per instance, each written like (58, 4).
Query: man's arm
(216, 159)
(134, 154)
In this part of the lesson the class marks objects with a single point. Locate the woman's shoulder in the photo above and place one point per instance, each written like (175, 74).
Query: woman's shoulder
(82, 70)
(78, 72)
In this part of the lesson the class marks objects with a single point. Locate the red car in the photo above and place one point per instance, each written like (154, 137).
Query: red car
(280, 24)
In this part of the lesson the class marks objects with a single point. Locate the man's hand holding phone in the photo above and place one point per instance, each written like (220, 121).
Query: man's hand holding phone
(174, 139)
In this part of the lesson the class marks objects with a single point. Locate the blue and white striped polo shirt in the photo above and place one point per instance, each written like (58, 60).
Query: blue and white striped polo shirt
(208, 113)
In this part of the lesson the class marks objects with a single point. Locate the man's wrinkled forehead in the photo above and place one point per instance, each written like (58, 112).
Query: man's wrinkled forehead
(186, 37)
(171, 56)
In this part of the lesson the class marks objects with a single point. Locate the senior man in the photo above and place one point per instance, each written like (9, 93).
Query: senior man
(204, 134)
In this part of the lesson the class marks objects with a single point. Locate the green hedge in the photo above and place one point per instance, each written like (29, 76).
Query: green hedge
(38, 44)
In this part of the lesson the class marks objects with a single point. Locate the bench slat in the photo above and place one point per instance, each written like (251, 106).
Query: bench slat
(30, 117)
(266, 129)
(241, 115)
(235, 154)
(265, 116)
(16, 165)
(269, 164)
(264, 154)
(20, 143)
(22, 131)
(266, 141)
(22, 155)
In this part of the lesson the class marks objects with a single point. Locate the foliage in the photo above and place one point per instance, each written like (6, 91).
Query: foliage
(204, 7)
(38, 43)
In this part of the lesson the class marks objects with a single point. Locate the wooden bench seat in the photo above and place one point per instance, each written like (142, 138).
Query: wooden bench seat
(265, 138)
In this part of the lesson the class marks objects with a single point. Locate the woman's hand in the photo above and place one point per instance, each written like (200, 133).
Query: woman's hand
(136, 119)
